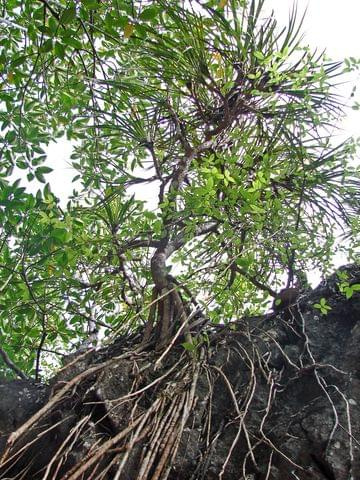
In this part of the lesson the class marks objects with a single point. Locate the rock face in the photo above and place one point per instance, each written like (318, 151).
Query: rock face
(286, 298)
(272, 397)
(19, 399)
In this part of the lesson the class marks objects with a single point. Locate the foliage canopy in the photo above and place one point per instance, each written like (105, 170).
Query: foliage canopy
(222, 117)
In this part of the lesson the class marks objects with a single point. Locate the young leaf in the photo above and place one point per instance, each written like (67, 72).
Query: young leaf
(128, 30)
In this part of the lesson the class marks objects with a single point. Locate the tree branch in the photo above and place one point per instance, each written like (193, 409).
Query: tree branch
(12, 365)
(255, 282)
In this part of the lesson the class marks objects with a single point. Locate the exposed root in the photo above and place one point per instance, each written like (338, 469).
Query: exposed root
(222, 398)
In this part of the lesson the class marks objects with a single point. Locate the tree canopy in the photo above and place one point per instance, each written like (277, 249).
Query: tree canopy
(222, 116)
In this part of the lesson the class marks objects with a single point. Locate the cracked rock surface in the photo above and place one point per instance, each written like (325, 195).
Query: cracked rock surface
(275, 397)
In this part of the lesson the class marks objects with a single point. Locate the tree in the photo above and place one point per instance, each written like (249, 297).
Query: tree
(221, 114)
(223, 117)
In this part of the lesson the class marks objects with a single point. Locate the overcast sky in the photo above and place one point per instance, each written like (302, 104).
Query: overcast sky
(332, 26)
(329, 24)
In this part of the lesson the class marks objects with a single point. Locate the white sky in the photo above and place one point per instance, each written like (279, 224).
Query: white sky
(332, 26)
(329, 24)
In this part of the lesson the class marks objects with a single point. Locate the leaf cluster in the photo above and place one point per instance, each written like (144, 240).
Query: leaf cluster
(219, 116)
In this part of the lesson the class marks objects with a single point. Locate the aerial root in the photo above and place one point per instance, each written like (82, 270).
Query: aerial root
(167, 312)
(157, 412)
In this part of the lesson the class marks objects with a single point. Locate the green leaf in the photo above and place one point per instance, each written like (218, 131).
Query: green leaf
(73, 42)
(90, 4)
(349, 292)
(44, 169)
(322, 306)
(53, 24)
(10, 136)
(190, 347)
(120, 20)
(59, 50)
(46, 46)
(39, 176)
(68, 15)
(259, 55)
(149, 13)
(19, 60)
(60, 234)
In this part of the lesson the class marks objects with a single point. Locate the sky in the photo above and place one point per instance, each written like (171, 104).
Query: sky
(329, 25)
(332, 26)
